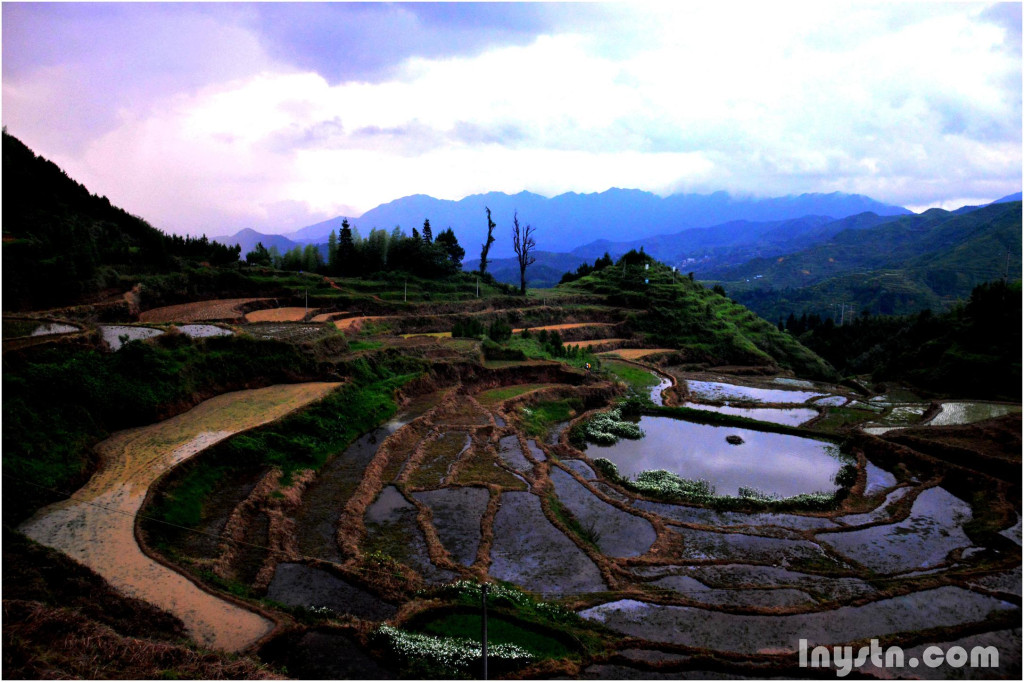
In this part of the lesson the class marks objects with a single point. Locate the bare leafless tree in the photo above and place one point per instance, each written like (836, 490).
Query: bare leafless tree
(523, 243)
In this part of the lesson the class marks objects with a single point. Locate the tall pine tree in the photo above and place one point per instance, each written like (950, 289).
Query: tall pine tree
(332, 253)
(346, 250)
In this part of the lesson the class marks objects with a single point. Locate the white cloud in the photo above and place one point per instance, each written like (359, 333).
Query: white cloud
(906, 103)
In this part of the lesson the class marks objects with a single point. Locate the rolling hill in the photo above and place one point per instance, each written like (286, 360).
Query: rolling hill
(900, 266)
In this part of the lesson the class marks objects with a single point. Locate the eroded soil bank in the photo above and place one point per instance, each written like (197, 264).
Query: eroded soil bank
(97, 525)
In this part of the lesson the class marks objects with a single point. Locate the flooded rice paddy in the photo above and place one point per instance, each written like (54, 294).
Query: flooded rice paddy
(51, 328)
(716, 391)
(794, 416)
(777, 464)
(116, 336)
(203, 331)
(752, 634)
(970, 412)
(450, 504)
(96, 526)
(924, 539)
(529, 550)
(309, 587)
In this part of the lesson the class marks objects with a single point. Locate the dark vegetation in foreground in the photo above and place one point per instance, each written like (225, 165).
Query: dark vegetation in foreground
(971, 351)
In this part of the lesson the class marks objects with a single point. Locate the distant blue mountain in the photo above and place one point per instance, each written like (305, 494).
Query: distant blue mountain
(248, 238)
(1016, 196)
(569, 220)
(318, 232)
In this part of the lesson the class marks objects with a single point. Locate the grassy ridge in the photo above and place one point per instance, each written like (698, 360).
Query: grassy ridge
(676, 312)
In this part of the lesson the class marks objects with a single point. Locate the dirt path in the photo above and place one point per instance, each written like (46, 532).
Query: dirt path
(97, 525)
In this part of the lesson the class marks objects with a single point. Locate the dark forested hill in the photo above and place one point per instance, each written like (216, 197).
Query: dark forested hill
(902, 266)
(61, 243)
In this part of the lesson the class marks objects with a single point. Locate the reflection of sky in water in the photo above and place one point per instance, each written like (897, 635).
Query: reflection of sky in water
(714, 390)
(968, 413)
(199, 331)
(53, 328)
(791, 417)
(774, 463)
(112, 334)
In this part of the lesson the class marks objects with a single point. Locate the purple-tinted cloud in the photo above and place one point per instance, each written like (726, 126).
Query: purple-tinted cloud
(368, 42)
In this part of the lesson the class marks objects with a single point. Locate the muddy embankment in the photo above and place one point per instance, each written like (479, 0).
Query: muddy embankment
(97, 525)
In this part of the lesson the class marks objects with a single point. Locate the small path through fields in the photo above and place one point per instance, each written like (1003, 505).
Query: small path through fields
(97, 525)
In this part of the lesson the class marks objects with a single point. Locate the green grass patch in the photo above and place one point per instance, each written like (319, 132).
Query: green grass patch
(15, 328)
(838, 419)
(363, 344)
(638, 379)
(499, 631)
(537, 420)
(587, 532)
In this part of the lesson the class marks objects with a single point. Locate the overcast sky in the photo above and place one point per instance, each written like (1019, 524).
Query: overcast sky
(214, 117)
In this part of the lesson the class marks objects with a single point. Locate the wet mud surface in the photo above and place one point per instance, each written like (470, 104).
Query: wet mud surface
(96, 526)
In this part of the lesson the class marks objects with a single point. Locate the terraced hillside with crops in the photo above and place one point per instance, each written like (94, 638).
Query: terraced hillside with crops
(649, 479)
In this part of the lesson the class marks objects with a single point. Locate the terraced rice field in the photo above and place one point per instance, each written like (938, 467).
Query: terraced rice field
(218, 309)
(294, 332)
(562, 327)
(357, 322)
(278, 315)
(590, 343)
(97, 525)
(327, 317)
(636, 353)
(459, 492)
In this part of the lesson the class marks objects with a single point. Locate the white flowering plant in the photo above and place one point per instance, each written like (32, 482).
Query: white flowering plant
(445, 654)
(606, 428)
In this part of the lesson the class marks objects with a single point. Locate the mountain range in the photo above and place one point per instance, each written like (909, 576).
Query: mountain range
(898, 266)
(568, 220)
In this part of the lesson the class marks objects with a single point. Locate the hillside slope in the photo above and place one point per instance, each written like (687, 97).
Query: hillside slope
(62, 243)
(901, 266)
(674, 311)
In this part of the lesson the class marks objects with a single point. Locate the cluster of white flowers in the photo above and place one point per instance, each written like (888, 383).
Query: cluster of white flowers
(324, 611)
(503, 594)
(452, 653)
(607, 427)
(667, 485)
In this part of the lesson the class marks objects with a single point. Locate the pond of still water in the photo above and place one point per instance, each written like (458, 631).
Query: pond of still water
(774, 463)
(718, 391)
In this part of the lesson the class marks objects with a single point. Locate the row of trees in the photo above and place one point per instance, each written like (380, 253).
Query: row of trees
(422, 254)
(350, 255)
